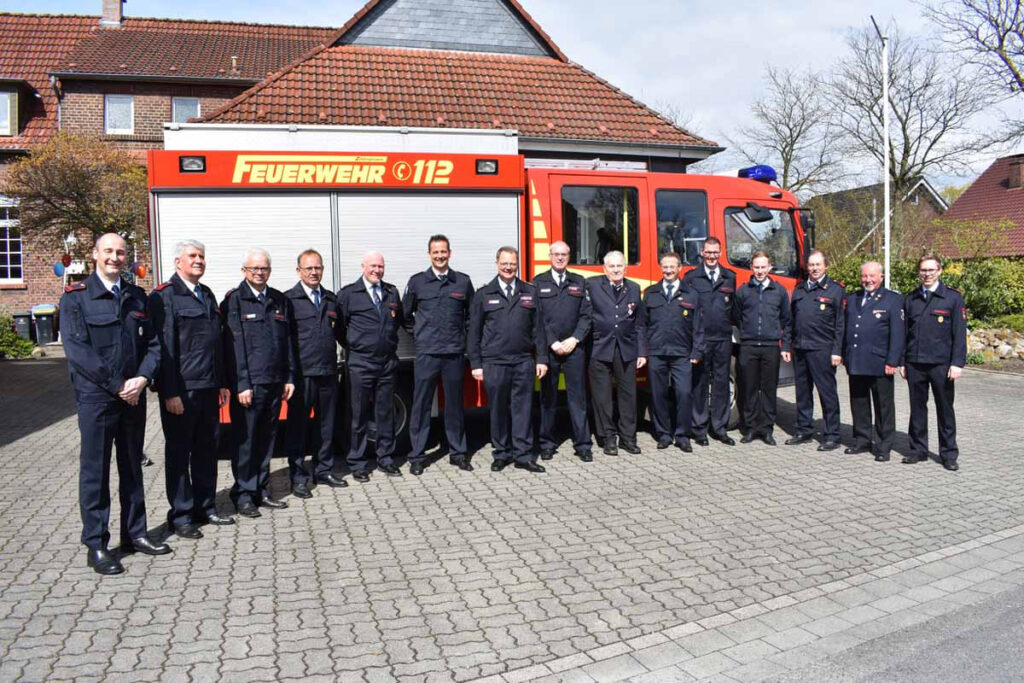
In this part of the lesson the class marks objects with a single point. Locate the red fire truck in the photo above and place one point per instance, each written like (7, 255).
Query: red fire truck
(344, 204)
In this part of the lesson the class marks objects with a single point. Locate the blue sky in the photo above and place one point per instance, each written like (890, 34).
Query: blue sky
(696, 56)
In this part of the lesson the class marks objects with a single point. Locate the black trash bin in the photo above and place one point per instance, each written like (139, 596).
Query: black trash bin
(45, 316)
(23, 325)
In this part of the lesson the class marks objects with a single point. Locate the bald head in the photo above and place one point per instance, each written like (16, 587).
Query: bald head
(373, 267)
(110, 254)
(559, 256)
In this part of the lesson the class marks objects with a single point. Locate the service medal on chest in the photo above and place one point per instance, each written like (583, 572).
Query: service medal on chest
(823, 307)
(685, 313)
(941, 319)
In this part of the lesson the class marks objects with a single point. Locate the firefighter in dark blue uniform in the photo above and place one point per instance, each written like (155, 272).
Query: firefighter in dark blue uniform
(262, 366)
(566, 313)
(873, 353)
(317, 332)
(816, 329)
(113, 356)
(717, 287)
(619, 350)
(675, 341)
(371, 314)
(436, 305)
(505, 333)
(192, 386)
(761, 312)
(935, 356)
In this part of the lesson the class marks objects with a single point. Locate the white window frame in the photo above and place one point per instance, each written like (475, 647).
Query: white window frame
(106, 111)
(7, 224)
(6, 103)
(174, 106)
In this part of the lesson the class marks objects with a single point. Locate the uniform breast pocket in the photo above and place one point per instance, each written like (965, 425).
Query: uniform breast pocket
(192, 325)
(104, 329)
(307, 322)
(940, 316)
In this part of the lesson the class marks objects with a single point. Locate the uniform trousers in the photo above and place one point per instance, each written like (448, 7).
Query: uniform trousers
(574, 368)
(315, 435)
(255, 430)
(371, 381)
(671, 376)
(510, 397)
(813, 369)
(103, 426)
(866, 390)
(191, 456)
(712, 414)
(450, 368)
(624, 374)
(758, 368)
(921, 376)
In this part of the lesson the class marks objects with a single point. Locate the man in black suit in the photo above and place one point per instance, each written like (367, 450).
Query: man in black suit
(619, 350)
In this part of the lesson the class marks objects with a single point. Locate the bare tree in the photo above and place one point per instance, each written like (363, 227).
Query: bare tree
(794, 130)
(932, 104)
(990, 35)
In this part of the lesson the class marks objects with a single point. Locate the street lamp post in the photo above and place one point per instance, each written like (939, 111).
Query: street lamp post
(885, 143)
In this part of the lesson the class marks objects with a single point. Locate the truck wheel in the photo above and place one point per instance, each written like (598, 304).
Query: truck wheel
(402, 401)
(735, 411)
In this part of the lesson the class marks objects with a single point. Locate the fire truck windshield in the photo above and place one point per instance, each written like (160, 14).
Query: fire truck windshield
(775, 236)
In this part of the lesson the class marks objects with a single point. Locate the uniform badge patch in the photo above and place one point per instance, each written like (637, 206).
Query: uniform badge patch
(686, 312)
(941, 319)
(822, 307)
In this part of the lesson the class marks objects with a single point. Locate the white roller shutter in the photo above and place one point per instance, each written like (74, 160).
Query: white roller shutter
(231, 223)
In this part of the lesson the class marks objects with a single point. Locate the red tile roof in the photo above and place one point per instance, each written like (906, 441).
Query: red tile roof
(540, 97)
(989, 198)
(35, 45)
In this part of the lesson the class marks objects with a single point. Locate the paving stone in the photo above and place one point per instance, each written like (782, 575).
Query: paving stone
(708, 665)
(662, 656)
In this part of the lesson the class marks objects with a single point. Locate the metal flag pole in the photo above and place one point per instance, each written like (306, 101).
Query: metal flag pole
(885, 143)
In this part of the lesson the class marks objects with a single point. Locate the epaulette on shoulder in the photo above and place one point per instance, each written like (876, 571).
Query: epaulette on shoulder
(228, 294)
(75, 286)
(163, 286)
(955, 290)
(651, 288)
(840, 283)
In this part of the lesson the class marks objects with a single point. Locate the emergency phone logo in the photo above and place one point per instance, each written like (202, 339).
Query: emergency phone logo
(337, 169)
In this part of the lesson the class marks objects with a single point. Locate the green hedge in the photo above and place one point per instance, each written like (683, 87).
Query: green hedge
(11, 345)
(992, 288)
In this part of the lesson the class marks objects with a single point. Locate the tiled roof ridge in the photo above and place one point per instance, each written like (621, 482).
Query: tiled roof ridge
(266, 82)
(208, 22)
(514, 4)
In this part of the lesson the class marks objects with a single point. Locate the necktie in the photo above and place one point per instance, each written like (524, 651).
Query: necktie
(116, 290)
(316, 298)
(714, 276)
(443, 277)
(508, 292)
(199, 294)
(669, 289)
(560, 278)
(376, 297)
(927, 295)
(261, 297)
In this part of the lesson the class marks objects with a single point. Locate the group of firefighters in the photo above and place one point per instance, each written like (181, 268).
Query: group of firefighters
(261, 346)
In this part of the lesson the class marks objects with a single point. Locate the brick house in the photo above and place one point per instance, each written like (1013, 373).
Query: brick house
(416, 63)
(996, 196)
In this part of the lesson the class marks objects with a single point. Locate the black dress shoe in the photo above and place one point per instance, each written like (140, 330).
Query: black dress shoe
(799, 439)
(218, 520)
(103, 562)
(499, 465)
(684, 446)
(631, 448)
(248, 510)
(146, 461)
(547, 454)
(585, 456)
(724, 438)
(610, 449)
(332, 480)
(748, 438)
(145, 546)
(416, 469)
(301, 490)
(390, 470)
(662, 445)
(361, 477)
(530, 467)
(768, 439)
(273, 503)
(463, 465)
(951, 466)
(856, 450)
(911, 460)
(828, 445)
(187, 530)
(702, 440)
(881, 458)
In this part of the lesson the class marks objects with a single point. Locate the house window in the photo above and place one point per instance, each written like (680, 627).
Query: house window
(8, 113)
(10, 246)
(184, 108)
(119, 115)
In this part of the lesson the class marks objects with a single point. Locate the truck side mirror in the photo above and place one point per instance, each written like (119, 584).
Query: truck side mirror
(756, 213)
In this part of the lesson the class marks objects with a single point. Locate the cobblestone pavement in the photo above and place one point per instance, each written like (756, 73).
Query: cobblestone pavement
(737, 554)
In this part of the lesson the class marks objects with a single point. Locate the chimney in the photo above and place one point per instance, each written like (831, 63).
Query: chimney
(112, 13)
(1016, 173)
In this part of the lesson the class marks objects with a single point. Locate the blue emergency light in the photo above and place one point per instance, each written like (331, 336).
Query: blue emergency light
(762, 173)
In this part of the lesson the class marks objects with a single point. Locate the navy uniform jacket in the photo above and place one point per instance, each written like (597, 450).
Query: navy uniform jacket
(936, 330)
(875, 333)
(762, 320)
(191, 342)
(674, 328)
(566, 310)
(436, 313)
(259, 346)
(715, 300)
(106, 342)
(617, 320)
(367, 331)
(502, 331)
(817, 323)
(317, 332)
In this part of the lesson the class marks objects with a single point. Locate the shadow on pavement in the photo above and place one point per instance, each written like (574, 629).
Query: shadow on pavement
(34, 394)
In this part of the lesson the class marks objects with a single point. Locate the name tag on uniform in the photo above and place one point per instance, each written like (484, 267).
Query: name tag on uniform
(458, 295)
(546, 290)
(249, 316)
(279, 316)
(526, 297)
(878, 313)
(575, 290)
(493, 301)
(332, 314)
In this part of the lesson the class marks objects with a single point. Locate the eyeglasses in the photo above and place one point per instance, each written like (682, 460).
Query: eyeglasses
(256, 269)
(312, 269)
(928, 270)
